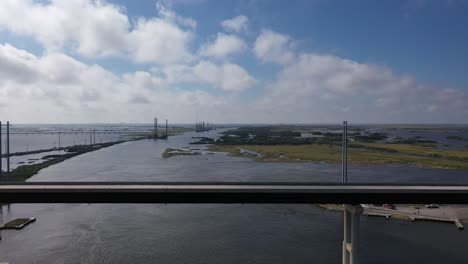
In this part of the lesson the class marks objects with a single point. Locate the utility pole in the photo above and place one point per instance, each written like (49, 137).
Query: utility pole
(155, 127)
(344, 162)
(8, 148)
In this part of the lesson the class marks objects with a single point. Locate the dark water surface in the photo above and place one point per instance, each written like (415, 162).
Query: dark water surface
(129, 233)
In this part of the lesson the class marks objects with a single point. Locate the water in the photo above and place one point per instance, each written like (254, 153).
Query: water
(131, 233)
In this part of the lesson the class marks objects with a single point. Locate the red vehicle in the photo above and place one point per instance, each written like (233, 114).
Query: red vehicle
(389, 206)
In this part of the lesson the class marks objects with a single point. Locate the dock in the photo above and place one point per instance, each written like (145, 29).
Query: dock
(18, 223)
(387, 216)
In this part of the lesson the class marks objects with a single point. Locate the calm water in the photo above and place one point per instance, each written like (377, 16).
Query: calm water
(97, 233)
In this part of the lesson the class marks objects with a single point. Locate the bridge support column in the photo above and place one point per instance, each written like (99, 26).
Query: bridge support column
(351, 225)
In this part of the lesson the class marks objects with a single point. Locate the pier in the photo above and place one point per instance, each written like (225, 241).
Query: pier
(18, 223)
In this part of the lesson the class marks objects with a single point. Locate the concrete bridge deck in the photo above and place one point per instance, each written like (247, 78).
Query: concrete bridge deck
(193, 192)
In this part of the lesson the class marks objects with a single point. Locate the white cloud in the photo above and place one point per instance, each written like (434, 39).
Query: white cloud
(274, 47)
(57, 88)
(236, 24)
(17, 65)
(98, 28)
(223, 46)
(326, 88)
(315, 88)
(159, 41)
(228, 76)
(168, 14)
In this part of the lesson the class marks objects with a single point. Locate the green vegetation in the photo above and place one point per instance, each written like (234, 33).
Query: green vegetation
(279, 145)
(273, 136)
(414, 141)
(332, 154)
(371, 137)
(203, 140)
(457, 138)
(425, 151)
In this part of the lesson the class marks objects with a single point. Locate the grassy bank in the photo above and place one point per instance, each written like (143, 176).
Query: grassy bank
(362, 153)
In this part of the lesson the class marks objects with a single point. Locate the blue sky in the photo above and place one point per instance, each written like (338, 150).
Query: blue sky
(426, 38)
(249, 61)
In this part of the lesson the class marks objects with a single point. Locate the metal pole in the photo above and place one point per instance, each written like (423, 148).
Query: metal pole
(346, 151)
(90, 138)
(1, 160)
(166, 129)
(94, 137)
(344, 162)
(8, 148)
(59, 134)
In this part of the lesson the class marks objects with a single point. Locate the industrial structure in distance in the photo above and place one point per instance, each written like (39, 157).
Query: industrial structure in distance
(202, 126)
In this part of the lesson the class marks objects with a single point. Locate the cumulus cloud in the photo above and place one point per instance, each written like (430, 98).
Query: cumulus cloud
(17, 65)
(236, 24)
(223, 46)
(228, 76)
(159, 41)
(225, 76)
(98, 28)
(327, 88)
(274, 47)
(58, 88)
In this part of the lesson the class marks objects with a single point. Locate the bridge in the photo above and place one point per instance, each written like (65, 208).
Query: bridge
(79, 132)
(351, 195)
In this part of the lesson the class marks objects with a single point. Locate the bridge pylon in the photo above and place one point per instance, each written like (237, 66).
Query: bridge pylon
(352, 215)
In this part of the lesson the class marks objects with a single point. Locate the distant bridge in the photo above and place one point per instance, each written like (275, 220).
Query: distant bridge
(120, 132)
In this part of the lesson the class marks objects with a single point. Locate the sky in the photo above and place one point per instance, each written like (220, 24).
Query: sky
(246, 61)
